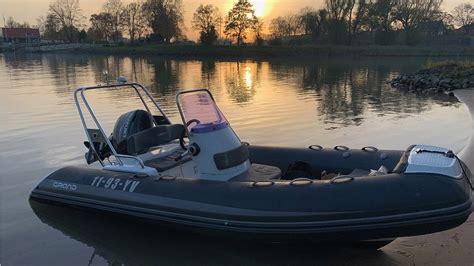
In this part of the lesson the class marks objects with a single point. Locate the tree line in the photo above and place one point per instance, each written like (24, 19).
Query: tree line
(161, 21)
(340, 21)
(158, 19)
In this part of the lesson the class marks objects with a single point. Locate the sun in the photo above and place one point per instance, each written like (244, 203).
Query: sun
(261, 7)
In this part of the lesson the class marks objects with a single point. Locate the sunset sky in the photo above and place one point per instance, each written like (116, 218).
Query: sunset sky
(30, 10)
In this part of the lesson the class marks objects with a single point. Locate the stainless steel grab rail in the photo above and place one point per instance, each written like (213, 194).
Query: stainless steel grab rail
(136, 87)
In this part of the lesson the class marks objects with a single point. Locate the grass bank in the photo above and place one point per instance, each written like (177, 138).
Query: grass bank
(456, 64)
(279, 51)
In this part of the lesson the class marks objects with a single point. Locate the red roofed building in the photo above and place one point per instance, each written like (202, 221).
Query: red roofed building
(20, 35)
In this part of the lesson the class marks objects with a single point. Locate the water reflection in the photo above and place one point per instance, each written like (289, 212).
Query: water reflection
(278, 102)
(117, 241)
(241, 80)
(345, 92)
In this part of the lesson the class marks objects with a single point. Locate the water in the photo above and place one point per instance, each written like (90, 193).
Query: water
(279, 102)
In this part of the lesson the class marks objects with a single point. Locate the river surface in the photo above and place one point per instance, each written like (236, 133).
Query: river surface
(278, 102)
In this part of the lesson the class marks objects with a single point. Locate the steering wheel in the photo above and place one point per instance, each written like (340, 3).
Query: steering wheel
(181, 139)
(193, 121)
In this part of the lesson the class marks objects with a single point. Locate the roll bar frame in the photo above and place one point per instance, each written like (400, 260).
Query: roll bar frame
(82, 98)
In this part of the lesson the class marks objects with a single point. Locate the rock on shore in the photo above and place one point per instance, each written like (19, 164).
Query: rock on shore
(440, 79)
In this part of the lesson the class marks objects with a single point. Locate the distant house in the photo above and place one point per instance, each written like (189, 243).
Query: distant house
(20, 35)
(432, 28)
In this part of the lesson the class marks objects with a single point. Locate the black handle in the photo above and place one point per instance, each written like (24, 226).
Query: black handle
(370, 149)
(316, 147)
(341, 148)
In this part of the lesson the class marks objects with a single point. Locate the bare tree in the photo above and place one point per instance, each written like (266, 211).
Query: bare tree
(165, 18)
(447, 19)
(379, 15)
(353, 12)
(206, 19)
(463, 14)
(115, 9)
(40, 21)
(259, 28)
(142, 28)
(313, 23)
(240, 19)
(359, 16)
(134, 21)
(410, 13)
(49, 26)
(68, 13)
(11, 23)
(340, 10)
(307, 20)
(294, 24)
(279, 28)
(289, 25)
(101, 26)
(340, 19)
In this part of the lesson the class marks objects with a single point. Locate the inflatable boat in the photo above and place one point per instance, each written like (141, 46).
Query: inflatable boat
(199, 175)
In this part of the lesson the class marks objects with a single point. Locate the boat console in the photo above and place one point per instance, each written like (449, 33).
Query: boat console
(217, 151)
(149, 144)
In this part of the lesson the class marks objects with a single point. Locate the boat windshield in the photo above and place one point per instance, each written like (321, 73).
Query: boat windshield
(199, 111)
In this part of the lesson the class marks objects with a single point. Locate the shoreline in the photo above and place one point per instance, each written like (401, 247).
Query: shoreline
(225, 51)
(443, 77)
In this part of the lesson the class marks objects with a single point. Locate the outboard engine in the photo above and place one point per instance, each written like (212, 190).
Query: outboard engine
(128, 124)
(217, 151)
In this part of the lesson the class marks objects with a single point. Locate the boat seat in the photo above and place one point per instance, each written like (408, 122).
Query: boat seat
(165, 163)
(135, 132)
(141, 142)
(259, 172)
